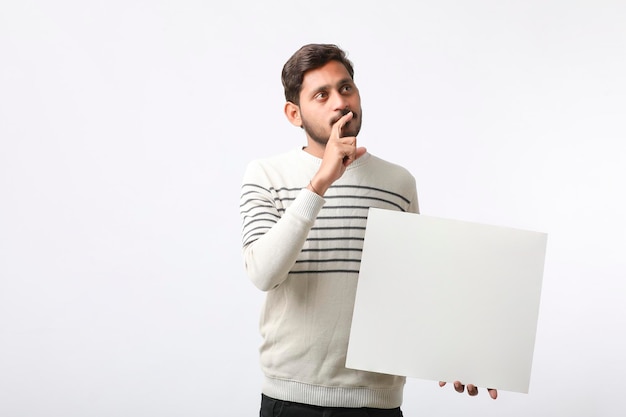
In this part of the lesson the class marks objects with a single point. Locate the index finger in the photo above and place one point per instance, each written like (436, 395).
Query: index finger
(342, 122)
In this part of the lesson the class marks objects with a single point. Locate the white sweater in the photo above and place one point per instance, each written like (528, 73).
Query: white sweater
(305, 251)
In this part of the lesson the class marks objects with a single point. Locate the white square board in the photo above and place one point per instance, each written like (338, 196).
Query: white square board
(447, 300)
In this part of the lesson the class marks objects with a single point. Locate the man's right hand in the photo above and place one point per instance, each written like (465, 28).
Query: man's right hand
(339, 153)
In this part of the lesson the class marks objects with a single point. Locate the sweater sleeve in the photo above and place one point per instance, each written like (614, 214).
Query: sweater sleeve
(273, 237)
(414, 204)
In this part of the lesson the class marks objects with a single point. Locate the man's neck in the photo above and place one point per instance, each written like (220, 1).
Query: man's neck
(315, 149)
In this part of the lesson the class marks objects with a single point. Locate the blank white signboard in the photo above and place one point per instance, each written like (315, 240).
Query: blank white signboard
(447, 300)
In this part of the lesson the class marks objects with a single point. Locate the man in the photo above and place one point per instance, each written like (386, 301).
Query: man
(304, 215)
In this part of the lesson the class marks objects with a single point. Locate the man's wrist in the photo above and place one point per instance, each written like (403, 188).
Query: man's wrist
(318, 187)
(312, 188)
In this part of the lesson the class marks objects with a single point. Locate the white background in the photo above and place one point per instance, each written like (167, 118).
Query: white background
(125, 127)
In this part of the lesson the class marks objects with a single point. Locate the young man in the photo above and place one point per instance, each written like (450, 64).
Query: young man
(304, 214)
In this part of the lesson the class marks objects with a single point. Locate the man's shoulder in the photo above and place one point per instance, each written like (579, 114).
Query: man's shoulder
(278, 169)
(388, 166)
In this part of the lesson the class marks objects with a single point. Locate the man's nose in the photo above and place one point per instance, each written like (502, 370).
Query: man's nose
(340, 102)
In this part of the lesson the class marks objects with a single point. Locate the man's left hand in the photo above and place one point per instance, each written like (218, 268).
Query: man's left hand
(472, 389)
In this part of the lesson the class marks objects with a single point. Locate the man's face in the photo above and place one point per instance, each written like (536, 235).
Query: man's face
(327, 94)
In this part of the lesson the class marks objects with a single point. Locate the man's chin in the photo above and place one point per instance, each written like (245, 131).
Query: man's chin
(349, 131)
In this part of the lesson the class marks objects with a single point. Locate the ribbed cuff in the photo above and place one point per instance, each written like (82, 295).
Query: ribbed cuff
(307, 205)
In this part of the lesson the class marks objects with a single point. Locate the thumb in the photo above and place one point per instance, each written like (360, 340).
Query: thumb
(359, 152)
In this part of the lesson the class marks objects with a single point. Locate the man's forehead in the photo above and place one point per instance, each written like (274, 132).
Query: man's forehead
(332, 73)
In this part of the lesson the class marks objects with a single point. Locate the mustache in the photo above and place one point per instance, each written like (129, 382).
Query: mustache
(343, 113)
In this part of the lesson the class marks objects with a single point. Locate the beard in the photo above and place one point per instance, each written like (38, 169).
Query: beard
(320, 134)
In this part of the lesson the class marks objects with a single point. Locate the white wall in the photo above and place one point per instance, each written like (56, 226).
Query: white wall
(125, 127)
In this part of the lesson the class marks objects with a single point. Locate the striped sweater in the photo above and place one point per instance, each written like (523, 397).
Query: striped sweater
(305, 251)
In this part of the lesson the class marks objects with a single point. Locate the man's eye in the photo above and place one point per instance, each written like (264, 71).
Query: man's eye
(346, 88)
(320, 96)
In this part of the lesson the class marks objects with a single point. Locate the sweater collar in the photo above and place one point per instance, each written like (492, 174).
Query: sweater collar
(318, 161)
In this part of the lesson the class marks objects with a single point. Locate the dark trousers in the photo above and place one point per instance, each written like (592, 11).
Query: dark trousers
(271, 407)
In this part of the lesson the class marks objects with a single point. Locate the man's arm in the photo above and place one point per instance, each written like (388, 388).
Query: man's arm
(271, 241)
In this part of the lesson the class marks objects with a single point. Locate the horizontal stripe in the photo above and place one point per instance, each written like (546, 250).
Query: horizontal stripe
(316, 239)
(326, 271)
(303, 261)
(338, 228)
(332, 249)
(363, 187)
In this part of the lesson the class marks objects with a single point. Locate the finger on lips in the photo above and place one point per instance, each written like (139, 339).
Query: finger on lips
(342, 122)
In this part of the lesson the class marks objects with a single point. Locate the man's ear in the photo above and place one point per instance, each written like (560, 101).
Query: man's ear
(292, 111)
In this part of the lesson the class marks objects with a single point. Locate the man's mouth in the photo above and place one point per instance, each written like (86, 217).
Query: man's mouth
(343, 113)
